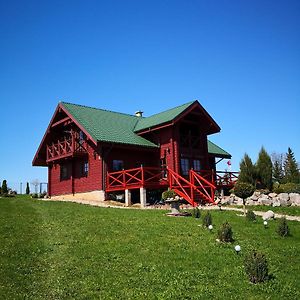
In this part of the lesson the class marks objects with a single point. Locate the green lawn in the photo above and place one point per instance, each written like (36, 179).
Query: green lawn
(59, 250)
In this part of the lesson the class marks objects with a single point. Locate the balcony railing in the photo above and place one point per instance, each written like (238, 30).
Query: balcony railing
(65, 148)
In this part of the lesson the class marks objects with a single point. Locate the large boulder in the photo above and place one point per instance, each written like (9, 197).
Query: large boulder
(284, 199)
(275, 202)
(268, 215)
(265, 200)
(272, 195)
(294, 199)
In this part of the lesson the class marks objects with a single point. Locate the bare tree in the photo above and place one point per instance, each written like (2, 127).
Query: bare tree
(35, 183)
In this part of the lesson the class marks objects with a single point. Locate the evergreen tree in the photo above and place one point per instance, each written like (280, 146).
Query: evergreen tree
(277, 161)
(247, 170)
(4, 187)
(27, 188)
(264, 169)
(291, 171)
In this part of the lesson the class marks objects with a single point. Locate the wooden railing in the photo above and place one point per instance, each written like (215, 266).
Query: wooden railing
(226, 179)
(66, 147)
(190, 189)
(135, 178)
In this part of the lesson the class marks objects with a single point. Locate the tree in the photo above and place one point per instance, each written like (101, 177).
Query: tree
(291, 171)
(243, 190)
(4, 187)
(264, 169)
(277, 161)
(247, 170)
(27, 188)
(35, 183)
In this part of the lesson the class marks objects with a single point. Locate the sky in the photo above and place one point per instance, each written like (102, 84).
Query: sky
(239, 59)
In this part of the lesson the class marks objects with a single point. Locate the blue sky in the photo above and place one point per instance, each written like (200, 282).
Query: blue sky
(240, 59)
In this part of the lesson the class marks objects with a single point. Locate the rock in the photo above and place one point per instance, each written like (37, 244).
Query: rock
(276, 202)
(283, 196)
(272, 195)
(266, 201)
(294, 199)
(249, 201)
(268, 215)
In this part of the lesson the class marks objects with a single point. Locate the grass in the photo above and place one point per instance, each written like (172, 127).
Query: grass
(59, 250)
(289, 210)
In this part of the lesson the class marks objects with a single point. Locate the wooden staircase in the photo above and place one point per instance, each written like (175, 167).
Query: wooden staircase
(195, 190)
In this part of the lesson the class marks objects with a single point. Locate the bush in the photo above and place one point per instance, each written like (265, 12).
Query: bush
(283, 228)
(286, 188)
(168, 194)
(207, 220)
(34, 195)
(251, 216)
(196, 213)
(256, 267)
(243, 189)
(290, 187)
(225, 233)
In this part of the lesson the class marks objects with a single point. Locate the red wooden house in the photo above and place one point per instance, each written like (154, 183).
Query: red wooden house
(91, 152)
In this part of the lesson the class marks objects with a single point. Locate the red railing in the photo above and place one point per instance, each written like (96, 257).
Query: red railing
(195, 186)
(135, 178)
(66, 147)
(226, 179)
(199, 186)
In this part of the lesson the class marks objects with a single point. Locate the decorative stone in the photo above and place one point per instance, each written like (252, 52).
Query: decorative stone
(268, 215)
(283, 196)
(276, 202)
(294, 199)
(266, 201)
(273, 195)
(249, 201)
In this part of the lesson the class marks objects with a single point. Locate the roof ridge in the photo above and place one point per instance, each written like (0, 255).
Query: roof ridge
(106, 110)
(190, 102)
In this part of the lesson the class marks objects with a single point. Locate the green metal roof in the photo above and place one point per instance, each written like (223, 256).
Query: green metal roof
(160, 118)
(114, 127)
(107, 126)
(216, 150)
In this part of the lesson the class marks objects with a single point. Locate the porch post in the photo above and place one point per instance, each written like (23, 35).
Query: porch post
(127, 197)
(143, 196)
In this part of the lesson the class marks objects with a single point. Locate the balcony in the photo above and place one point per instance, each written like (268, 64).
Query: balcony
(66, 147)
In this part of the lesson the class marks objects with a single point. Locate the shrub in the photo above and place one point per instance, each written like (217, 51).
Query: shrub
(256, 267)
(225, 233)
(168, 194)
(27, 189)
(207, 219)
(287, 188)
(196, 213)
(243, 190)
(4, 188)
(251, 216)
(34, 195)
(283, 228)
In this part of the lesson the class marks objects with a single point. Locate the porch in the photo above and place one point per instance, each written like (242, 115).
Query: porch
(198, 187)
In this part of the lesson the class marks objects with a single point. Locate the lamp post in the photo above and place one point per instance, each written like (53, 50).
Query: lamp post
(237, 249)
(265, 224)
(210, 227)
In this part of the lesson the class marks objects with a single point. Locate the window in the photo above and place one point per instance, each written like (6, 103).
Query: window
(185, 166)
(196, 165)
(85, 168)
(81, 137)
(118, 165)
(65, 172)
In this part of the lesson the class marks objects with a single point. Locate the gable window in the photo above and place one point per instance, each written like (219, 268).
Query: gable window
(65, 171)
(196, 165)
(185, 166)
(118, 165)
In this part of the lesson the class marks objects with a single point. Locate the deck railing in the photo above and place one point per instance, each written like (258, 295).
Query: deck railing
(135, 178)
(66, 147)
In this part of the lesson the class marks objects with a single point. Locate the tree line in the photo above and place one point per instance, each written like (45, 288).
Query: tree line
(270, 171)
